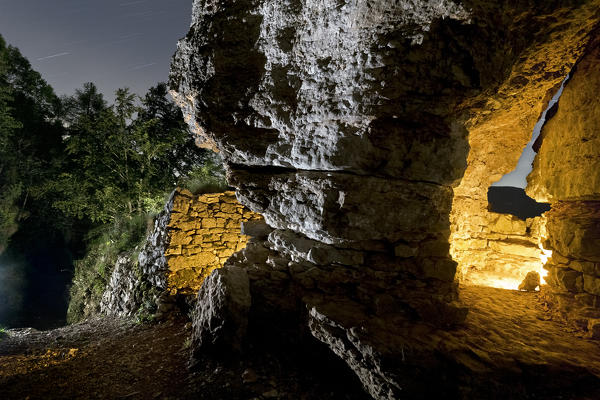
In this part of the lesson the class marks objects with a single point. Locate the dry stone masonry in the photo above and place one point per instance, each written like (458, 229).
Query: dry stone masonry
(204, 231)
(192, 236)
(497, 250)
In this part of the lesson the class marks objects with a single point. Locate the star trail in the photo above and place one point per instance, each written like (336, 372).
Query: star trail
(113, 43)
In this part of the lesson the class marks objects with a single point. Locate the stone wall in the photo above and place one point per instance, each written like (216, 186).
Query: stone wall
(495, 249)
(192, 236)
(567, 174)
(204, 231)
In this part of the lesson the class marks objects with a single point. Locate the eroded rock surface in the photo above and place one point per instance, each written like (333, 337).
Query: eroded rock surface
(347, 125)
(221, 315)
(192, 236)
(567, 173)
(136, 285)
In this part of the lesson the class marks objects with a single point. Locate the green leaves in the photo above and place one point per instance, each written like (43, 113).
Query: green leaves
(123, 158)
(79, 158)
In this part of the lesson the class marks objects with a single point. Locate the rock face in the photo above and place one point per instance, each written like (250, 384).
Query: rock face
(567, 173)
(348, 125)
(497, 250)
(567, 167)
(135, 287)
(220, 318)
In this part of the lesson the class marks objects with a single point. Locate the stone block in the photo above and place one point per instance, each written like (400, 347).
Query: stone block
(443, 269)
(591, 284)
(586, 267)
(211, 238)
(569, 280)
(405, 251)
(508, 224)
(469, 244)
(434, 248)
(209, 198)
(209, 223)
(557, 258)
(229, 237)
(220, 318)
(181, 238)
(228, 208)
(515, 249)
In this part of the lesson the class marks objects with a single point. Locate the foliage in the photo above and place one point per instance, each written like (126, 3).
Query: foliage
(122, 158)
(105, 243)
(29, 136)
(208, 178)
(88, 173)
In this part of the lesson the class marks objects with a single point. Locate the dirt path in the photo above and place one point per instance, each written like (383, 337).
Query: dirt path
(509, 326)
(117, 359)
(506, 332)
(102, 358)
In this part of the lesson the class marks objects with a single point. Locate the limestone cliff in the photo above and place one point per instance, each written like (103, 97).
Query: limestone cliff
(351, 126)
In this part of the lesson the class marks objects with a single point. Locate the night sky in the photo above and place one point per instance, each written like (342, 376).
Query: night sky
(113, 43)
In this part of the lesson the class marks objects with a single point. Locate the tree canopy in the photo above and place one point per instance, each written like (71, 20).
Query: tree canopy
(77, 157)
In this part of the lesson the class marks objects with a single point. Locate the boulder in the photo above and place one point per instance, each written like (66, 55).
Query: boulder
(220, 316)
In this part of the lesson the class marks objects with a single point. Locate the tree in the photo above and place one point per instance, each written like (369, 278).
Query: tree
(122, 158)
(30, 137)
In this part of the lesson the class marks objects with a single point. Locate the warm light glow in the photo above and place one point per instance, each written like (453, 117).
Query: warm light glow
(512, 282)
(544, 256)
(504, 283)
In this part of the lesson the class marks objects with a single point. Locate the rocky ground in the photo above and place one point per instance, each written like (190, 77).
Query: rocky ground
(119, 359)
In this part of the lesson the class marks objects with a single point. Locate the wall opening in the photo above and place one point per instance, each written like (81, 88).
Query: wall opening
(501, 246)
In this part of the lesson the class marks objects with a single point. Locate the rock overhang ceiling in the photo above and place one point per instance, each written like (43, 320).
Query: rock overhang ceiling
(370, 131)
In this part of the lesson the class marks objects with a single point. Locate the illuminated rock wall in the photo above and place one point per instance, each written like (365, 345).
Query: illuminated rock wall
(500, 125)
(204, 231)
(494, 249)
(567, 174)
(354, 127)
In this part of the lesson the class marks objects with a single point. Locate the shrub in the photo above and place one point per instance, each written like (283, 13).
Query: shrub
(93, 272)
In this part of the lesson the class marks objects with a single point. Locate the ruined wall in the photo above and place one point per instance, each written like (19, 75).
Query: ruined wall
(204, 231)
(497, 250)
(192, 236)
(349, 125)
(567, 174)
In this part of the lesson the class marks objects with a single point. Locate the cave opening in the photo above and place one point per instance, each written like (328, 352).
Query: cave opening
(505, 249)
